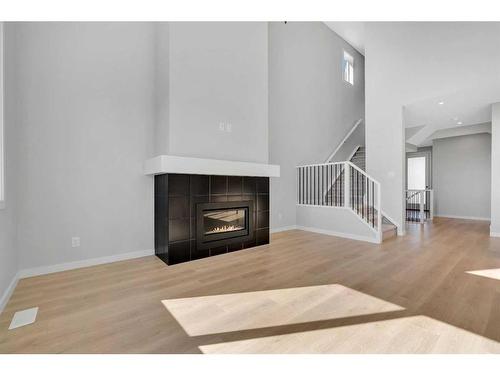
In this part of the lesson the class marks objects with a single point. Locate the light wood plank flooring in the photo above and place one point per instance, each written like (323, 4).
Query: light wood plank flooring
(303, 293)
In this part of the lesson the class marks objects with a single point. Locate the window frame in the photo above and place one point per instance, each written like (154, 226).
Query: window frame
(2, 127)
(348, 68)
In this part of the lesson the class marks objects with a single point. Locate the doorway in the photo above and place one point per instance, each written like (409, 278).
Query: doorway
(419, 185)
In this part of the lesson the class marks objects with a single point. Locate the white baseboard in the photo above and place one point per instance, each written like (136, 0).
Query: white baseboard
(494, 234)
(283, 229)
(37, 271)
(463, 217)
(339, 234)
(8, 292)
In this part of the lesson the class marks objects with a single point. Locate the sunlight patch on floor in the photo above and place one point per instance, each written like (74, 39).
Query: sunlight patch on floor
(493, 273)
(268, 308)
(414, 334)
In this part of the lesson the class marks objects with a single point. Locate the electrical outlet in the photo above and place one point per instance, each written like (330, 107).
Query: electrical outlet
(280, 216)
(222, 126)
(229, 127)
(75, 241)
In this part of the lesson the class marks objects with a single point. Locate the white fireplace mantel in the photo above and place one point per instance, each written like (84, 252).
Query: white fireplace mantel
(178, 164)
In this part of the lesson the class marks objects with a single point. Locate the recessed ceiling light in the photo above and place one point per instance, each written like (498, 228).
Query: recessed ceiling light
(441, 103)
(459, 123)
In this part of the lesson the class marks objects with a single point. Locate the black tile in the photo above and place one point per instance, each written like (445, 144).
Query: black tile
(262, 219)
(161, 184)
(262, 184)
(234, 247)
(178, 184)
(262, 236)
(218, 198)
(178, 252)
(161, 206)
(194, 201)
(250, 243)
(178, 207)
(249, 185)
(163, 257)
(178, 229)
(192, 228)
(199, 184)
(263, 202)
(218, 184)
(234, 185)
(198, 253)
(218, 250)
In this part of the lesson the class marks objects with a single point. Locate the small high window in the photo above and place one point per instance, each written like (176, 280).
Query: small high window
(348, 68)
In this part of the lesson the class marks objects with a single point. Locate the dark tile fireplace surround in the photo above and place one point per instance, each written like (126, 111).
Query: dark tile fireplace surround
(198, 216)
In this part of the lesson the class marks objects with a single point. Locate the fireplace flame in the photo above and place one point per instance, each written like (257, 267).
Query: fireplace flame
(225, 228)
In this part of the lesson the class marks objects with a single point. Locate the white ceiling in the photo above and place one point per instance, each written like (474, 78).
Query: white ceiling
(352, 32)
(466, 107)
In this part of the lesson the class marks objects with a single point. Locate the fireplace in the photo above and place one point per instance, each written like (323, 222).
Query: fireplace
(223, 223)
(199, 216)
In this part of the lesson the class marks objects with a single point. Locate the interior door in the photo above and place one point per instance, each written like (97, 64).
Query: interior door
(418, 173)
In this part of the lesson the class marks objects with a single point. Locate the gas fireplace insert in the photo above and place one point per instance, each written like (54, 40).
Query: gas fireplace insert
(222, 223)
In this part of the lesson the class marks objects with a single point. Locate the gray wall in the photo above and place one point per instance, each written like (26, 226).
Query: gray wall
(218, 74)
(462, 176)
(8, 248)
(311, 108)
(85, 111)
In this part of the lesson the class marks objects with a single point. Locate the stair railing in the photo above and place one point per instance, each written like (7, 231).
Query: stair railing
(341, 185)
(356, 124)
(419, 205)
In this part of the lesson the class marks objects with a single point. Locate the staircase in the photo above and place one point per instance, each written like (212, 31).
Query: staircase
(341, 185)
(359, 159)
(346, 185)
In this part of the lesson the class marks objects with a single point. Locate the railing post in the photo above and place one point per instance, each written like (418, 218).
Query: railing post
(422, 197)
(379, 213)
(347, 185)
(431, 208)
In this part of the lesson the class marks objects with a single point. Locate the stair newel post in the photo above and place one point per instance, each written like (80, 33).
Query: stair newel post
(347, 183)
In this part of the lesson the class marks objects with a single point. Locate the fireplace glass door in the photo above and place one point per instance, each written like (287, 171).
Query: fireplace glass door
(223, 221)
(220, 223)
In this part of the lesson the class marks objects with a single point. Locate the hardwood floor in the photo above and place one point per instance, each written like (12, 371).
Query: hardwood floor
(305, 292)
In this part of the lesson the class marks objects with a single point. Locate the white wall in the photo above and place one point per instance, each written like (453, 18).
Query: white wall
(357, 138)
(495, 170)
(161, 87)
(462, 176)
(407, 62)
(311, 108)
(85, 111)
(336, 222)
(218, 73)
(8, 248)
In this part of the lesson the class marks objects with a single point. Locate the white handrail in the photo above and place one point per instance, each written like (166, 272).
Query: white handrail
(319, 185)
(356, 124)
(319, 164)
